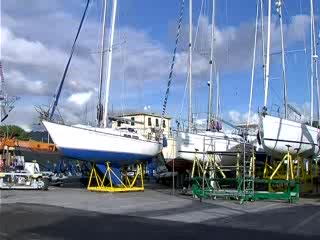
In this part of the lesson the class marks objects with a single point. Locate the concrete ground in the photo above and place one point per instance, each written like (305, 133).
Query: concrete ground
(62, 213)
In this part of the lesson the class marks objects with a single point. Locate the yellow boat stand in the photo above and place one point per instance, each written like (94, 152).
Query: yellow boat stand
(105, 183)
(292, 169)
(200, 169)
(197, 167)
(289, 171)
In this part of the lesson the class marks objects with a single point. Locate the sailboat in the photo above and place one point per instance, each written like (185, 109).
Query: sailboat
(188, 143)
(280, 135)
(102, 144)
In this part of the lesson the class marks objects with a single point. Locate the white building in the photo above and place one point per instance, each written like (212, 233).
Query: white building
(144, 122)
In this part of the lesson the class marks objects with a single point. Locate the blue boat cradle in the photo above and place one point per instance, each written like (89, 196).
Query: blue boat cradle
(111, 168)
(105, 178)
(114, 179)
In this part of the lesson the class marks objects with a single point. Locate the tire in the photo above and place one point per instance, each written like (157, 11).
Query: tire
(45, 184)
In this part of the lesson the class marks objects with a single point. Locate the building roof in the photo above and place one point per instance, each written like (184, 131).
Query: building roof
(143, 114)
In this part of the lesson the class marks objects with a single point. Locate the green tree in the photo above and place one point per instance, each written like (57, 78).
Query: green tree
(13, 131)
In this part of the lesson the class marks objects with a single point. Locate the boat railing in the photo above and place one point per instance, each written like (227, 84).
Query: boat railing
(275, 110)
(183, 126)
(293, 113)
(201, 126)
(155, 134)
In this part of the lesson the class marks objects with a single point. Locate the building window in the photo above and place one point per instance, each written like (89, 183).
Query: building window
(164, 123)
(119, 123)
(157, 122)
(132, 121)
(149, 122)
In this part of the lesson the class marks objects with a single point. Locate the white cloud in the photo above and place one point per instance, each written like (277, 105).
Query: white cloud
(23, 115)
(237, 117)
(201, 121)
(22, 51)
(18, 84)
(26, 127)
(234, 44)
(80, 98)
(33, 67)
(35, 48)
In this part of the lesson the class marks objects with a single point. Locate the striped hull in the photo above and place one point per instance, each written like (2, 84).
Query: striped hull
(102, 145)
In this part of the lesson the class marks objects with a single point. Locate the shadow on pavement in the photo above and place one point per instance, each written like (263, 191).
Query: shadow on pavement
(25, 221)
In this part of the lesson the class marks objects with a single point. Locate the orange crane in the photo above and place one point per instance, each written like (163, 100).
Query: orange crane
(30, 144)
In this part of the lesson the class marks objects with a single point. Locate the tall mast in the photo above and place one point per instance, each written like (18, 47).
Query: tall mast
(218, 95)
(285, 97)
(263, 44)
(107, 87)
(2, 93)
(268, 57)
(190, 67)
(211, 63)
(315, 58)
(253, 62)
(99, 107)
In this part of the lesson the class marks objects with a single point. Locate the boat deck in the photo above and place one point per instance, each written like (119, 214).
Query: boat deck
(63, 213)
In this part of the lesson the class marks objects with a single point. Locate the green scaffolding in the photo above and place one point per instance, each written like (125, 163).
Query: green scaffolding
(232, 189)
(244, 186)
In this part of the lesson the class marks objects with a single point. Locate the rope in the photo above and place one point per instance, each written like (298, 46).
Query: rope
(173, 62)
(57, 96)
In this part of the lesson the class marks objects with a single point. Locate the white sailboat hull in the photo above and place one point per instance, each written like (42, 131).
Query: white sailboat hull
(187, 143)
(276, 133)
(101, 144)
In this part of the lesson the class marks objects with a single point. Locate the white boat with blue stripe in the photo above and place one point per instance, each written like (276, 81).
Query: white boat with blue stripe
(118, 146)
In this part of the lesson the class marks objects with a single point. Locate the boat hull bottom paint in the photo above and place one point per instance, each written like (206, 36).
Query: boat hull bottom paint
(101, 157)
(276, 133)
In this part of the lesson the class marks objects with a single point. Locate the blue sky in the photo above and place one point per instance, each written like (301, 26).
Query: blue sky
(36, 37)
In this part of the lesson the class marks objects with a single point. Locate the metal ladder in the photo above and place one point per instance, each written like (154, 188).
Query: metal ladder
(211, 165)
(248, 173)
